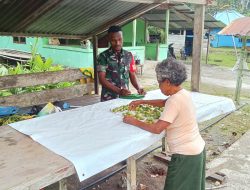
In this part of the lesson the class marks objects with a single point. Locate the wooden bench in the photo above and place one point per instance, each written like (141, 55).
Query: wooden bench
(50, 95)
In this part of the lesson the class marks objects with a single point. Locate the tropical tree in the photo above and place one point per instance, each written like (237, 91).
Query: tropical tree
(242, 6)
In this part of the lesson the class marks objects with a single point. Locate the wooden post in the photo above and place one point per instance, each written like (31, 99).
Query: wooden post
(197, 46)
(240, 70)
(63, 184)
(131, 173)
(208, 46)
(134, 33)
(95, 53)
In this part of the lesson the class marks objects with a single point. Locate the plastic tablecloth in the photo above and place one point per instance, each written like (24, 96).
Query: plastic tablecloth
(94, 139)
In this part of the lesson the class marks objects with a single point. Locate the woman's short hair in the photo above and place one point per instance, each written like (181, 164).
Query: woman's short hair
(172, 70)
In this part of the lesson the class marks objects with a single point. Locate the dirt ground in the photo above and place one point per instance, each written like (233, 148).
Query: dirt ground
(220, 135)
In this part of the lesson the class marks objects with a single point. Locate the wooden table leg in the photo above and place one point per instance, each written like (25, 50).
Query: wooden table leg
(164, 144)
(131, 173)
(63, 184)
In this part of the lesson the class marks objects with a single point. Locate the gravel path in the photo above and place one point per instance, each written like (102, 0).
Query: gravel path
(210, 74)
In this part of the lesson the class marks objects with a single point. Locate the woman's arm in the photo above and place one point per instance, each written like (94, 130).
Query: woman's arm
(158, 103)
(156, 128)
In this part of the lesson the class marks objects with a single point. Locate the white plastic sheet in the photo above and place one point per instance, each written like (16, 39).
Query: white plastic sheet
(94, 139)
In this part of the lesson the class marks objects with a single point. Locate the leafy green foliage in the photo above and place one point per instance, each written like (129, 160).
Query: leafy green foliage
(14, 118)
(242, 6)
(34, 65)
(143, 112)
(153, 30)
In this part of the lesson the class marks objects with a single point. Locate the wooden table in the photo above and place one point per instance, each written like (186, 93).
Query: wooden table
(25, 164)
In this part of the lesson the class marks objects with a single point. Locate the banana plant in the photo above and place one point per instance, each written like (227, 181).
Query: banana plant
(3, 70)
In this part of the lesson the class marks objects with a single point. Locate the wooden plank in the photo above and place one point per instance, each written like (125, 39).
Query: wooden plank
(201, 2)
(25, 80)
(197, 46)
(25, 164)
(163, 157)
(131, 173)
(84, 100)
(62, 35)
(15, 54)
(144, 1)
(217, 176)
(43, 97)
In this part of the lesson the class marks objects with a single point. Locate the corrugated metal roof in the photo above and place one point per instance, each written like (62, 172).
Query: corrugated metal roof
(79, 18)
(83, 18)
(239, 27)
(66, 18)
(181, 17)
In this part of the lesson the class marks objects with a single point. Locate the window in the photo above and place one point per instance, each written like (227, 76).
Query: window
(19, 40)
(248, 40)
(69, 42)
(64, 42)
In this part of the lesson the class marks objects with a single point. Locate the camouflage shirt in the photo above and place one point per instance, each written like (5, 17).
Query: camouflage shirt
(116, 66)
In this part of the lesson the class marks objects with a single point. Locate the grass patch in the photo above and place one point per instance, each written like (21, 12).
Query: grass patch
(224, 57)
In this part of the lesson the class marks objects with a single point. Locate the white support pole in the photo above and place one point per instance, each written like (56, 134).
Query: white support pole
(134, 33)
(146, 32)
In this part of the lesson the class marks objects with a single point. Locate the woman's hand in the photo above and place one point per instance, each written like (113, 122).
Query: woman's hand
(129, 120)
(134, 104)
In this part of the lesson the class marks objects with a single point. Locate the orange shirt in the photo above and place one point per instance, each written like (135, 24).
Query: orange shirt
(183, 136)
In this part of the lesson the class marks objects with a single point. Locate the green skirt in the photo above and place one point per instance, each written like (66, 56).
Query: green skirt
(186, 172)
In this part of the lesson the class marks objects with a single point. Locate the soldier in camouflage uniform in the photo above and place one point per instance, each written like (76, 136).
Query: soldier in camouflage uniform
(115, 67)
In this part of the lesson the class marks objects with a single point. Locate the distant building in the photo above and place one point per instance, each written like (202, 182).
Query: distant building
(218, 40)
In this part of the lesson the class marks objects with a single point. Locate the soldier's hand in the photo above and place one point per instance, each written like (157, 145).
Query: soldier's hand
(141, 91)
